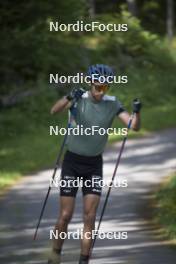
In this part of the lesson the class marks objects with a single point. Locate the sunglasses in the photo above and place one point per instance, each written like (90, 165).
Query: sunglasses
(101, 88)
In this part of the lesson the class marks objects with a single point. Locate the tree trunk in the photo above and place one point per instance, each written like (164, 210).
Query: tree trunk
(170, 20)
(91, 7)
(132, 7)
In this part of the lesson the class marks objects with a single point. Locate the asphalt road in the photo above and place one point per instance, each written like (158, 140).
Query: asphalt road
(145, 162)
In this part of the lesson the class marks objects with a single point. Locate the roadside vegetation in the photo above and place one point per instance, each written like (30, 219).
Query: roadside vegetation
(165, 208)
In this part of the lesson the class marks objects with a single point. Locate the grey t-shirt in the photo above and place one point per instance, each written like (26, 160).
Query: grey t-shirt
(88, 113)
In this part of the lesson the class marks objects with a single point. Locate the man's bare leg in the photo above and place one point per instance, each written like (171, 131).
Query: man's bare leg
(65, 214)
(91, 202)
(67, 205)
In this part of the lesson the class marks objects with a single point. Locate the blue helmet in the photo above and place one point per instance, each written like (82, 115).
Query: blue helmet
(96, 71)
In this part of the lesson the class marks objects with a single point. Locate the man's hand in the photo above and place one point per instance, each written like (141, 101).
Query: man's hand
(65, 102)
(137, 105)
(75, 93)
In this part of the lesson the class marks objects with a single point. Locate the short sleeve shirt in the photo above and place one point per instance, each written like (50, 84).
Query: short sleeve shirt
(89, 116)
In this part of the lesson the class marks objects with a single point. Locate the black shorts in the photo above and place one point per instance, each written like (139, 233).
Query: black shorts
(81, 171)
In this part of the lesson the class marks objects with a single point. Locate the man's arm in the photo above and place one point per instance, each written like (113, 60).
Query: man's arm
(125, 116)
(66, 101)
(61, 105)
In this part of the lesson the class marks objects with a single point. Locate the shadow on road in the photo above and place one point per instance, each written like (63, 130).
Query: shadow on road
(144, 163)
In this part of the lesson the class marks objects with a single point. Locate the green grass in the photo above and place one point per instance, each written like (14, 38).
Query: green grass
(165, 212)
(26, 145)
(7, 179)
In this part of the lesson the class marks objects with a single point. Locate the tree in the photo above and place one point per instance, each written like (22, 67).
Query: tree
(27, 46)
(91, 6)
(170, 20)
(132, 7)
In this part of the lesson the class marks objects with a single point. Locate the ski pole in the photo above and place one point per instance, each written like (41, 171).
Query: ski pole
(71, 113)
(110, 186)
(53, 176)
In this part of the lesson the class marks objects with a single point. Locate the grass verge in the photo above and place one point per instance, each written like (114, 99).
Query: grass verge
(165, 207)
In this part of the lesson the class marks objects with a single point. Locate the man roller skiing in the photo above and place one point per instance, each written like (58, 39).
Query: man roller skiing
(83, 158)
